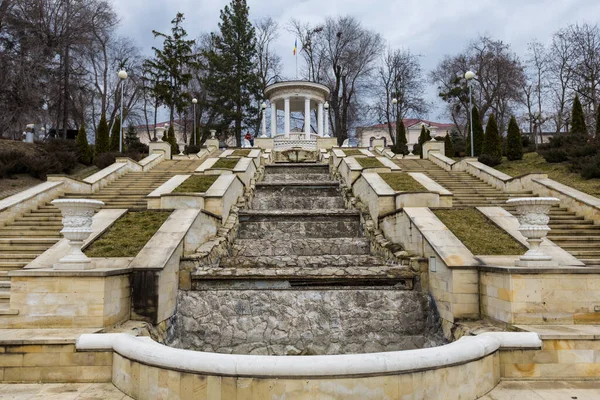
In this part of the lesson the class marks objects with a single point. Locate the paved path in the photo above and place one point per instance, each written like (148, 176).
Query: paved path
(545, 390)
(60, 391)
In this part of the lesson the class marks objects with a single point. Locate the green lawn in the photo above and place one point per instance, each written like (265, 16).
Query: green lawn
(353, 152)
(402, 182)
(128, 235)
(196, 184)
(533, 162)
(478, 233)
(226, 163)
(241, 153)
(369, 162)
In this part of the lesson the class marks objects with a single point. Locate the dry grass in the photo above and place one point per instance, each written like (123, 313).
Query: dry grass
(196, 184)
(478, 233)
(226, 163)
(353, 152)
(533, 162)
(402, 182)
(369, 162)
(241, 153)
(128, 235)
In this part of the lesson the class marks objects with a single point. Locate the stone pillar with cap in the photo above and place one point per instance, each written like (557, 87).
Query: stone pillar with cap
(320, 119)
(273, 119)
(286, 111)
(307, 118)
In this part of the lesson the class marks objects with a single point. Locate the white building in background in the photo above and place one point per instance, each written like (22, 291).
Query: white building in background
(366, 135)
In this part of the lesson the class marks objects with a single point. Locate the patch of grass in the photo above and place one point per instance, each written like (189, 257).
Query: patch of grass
(402, 182)
(369, 162)
(196, 184)
(478, 233)
(226, 163)
(533, 162)
(128, 235)
(241, 153)
(353, 152)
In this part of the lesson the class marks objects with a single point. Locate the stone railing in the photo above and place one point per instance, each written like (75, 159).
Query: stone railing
(288, 144)
(427, 372)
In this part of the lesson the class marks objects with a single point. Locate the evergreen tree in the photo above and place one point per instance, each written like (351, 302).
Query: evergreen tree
(82, 143)
(423, 137)
(598, 124)
(448, 146)
(231, 80)
(131, 136)
(578, 126)
(114, 135)
(172, 140)
(400, 145)
(102, 138)
(491, 152)
(514, 142)
(478, 135)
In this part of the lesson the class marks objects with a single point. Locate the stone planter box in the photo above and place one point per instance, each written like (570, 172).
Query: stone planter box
(350, 169)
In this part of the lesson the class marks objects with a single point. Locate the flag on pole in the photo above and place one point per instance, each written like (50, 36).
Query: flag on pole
(295, 46)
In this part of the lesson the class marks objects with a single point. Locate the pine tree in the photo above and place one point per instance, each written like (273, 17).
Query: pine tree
(578, 126)
(102, 138)
(491, 152)
(82, 143)
(448, 146)
(400, 145)
(478, 136)
(514, 141)
(598, 124)
(423, 137)
(231, 81)
(131, 137)
(114, 135)
(172, 140)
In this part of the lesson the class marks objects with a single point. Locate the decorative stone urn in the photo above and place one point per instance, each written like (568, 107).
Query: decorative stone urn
(532, 213)
(160, 133)
(411, 147)
(213, 132)
(181, 148)
(77, 221)
(432, 133)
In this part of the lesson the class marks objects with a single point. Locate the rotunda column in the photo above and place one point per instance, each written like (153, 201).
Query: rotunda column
(273, 119)
(286, 110)
(307, 117)
(320, 119)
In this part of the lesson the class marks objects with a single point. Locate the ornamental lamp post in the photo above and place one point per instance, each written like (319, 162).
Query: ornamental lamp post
(469, 76)
(326, 107)
(194, 102)
(122, 76)
(263, 106)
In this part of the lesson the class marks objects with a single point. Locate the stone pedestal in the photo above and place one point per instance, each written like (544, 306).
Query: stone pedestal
(326, 143)
(212, 144)
(161, 147)
(433, 146)
(378, 143)
(532, 213)
(263, 143)
(77, 221)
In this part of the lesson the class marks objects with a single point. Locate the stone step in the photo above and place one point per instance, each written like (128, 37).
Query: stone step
(18, 256)
(559, 226)
(293, 224)
(32, 234)
(4, 285)
(33, 218)
(5, 295)
(4, 276)
(590, 262)
(564, 217)
(12, 264)
(569, 240)
(25, 248)
(588, 231)
(27, 241)
(297, 169)
(301, 247)
(586, 253)
(338, 261)
(27, 223)
(31, 228)
(277, 202)
(570, 222)
(270, 177)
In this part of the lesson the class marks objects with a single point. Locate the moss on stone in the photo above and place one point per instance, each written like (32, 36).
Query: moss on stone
(241, 153)
(402, 182)
(128, 235)
(370, 162)
(478, 233)
(353, 152)
(226, 163)
(196, 184)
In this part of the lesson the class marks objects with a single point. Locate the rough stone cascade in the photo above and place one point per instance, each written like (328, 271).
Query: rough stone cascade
(301, 279)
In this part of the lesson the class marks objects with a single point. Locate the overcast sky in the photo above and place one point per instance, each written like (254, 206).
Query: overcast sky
(430, 28)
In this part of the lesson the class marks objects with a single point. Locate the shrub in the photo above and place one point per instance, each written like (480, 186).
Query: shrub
(514, 143)
(448, 146)
(492, 144)
(478, 135)
(192, 149)
(102, 139)
(85, 156)
(400, 146)
(590, 167)
(555, 155)
(138, 147)
(39, 167)
(11, 162)
(172, 140)
(423, 137)
(105, 159)
(489, 160)
(66, 152)
(578, 126)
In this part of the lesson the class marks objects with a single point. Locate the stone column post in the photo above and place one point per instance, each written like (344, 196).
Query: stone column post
(264, 123)
(286, 110)
(326, 127)
(307, 118)
(320, 120)
(273, 119)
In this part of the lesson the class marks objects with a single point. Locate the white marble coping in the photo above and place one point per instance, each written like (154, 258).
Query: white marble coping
(564, 332)
(389, 164)
(445, 243)
(168, 186)
(339, 153)
(366, 152)
(226, 153)
(145, 161)
(352, 164)
(207, 164)
(242, 165)
(379, 186)
(322, 151)
(254, 153)
(219, 188)
(570, 192)
(430, 184)
(28, 194)
(389, 154)
(490, 171)
(534, 200)
(105, 172)
(510, 224)
(443, 158)
(147, 351)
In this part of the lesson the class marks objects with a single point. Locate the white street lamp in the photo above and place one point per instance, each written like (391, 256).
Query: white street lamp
(394, 101)
(122, 76)
(326, 107)
(194, 102)
(263, 106)
(469, 76)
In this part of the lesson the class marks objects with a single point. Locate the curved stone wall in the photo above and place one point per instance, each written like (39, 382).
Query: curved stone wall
(292, 322)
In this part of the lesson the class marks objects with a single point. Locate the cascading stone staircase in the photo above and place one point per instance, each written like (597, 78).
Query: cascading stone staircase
(301, 279)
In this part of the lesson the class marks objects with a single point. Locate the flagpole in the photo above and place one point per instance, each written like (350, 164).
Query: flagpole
(296, 64)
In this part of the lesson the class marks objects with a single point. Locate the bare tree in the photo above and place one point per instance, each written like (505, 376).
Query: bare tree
(536, 87)
(561, 57)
